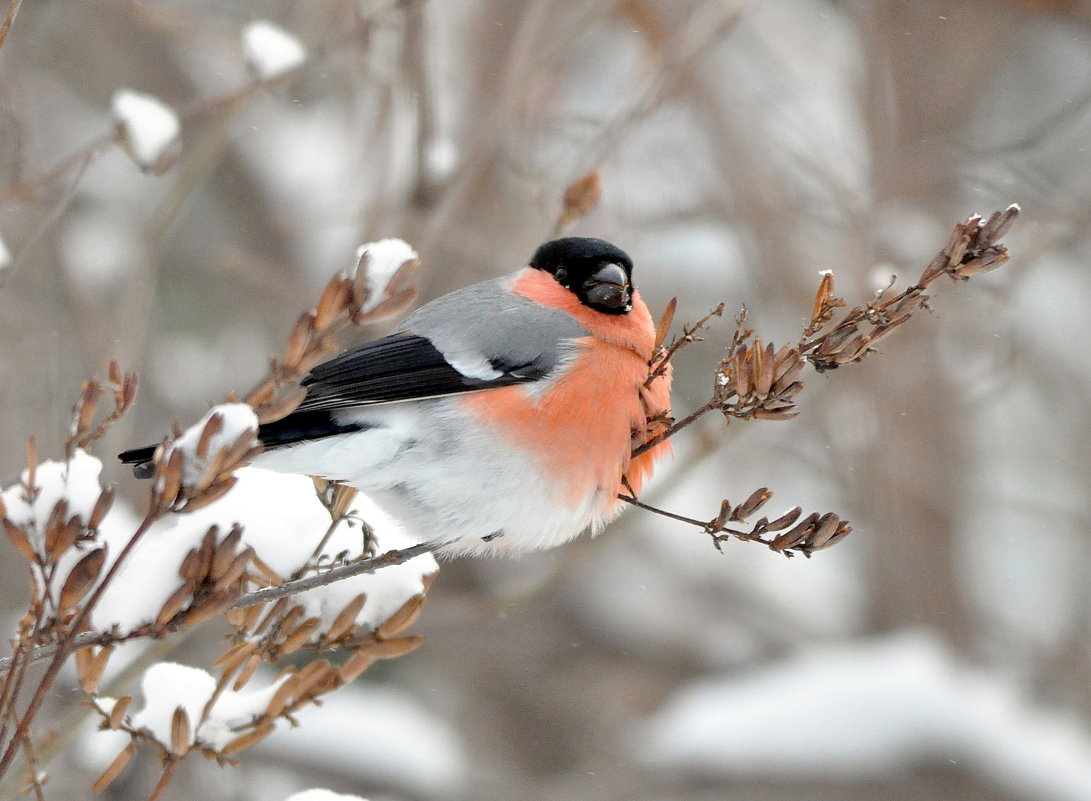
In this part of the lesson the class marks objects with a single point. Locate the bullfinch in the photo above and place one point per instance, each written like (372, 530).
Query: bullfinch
(496, 419)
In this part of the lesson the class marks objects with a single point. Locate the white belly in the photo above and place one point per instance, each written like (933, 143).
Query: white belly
(445, 481)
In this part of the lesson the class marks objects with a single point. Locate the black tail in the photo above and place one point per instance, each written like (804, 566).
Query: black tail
(297, 427)
(141, 460)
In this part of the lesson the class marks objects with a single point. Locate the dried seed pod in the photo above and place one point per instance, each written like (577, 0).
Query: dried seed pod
(796, 535)
(102, 506)
(721, 519)
(114, 769)
(251, 614)
(190, 568)
(85, 664)
(581, 196)
(211, 495)
(825, 528)
(346, 618)
(276, 611)
(19, 539)
(204, 609)
(235, 570)
(842, 531)
(788, 373)
(987, 262)
(361, 288)
(664, 325)
(822, 296)
(392, 305)
(263, 393)
(176, 602)
(764, 369)
(316, 676)
(355, 665)
(299, 340)
(288, 620)
(333, 302)
(785, 520)
(959, 241)
(171, 477)
(229, 661)
(213, 426)
(405, 617)
(180, 732)
(740, 375)
(82, 578)
(343, 496)
(244, 741)
(776, 414)
(117, 712)
(392, 649)
(299, 636)
(223, 554)
(90, 665)
(757, 499)
(247, 672)
(282, 408)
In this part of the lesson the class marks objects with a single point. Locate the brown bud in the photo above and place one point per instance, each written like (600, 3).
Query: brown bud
(664, 326)
(176, 602)
(581, 196)
(117, 713)
(300, 636)
(19, 539)
(785, 520)
(82, 577)
(247, 672)
(299, 340)
(333, 302)
(102, 506)
(756, 500)
(115, 768)
(346, 619)
(405, 617)
(397, 647)
(180, 732)
(244, 741)
(356, 664)
(213, 426)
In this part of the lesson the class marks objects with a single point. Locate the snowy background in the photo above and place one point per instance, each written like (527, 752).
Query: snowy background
(941, 652)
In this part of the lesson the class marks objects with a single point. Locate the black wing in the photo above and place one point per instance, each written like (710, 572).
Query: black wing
(399, 367)
(395, 368)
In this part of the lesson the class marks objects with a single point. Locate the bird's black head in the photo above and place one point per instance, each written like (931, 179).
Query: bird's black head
(597, 272)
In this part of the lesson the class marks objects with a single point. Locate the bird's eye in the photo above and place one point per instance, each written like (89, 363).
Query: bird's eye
(561, 274)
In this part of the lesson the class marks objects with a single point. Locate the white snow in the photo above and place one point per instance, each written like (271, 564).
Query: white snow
(323, 795)
(384, 258)
(237, 418)
(75, 481)
(167, 686)
(376, 732)
(150, 129)
(270, 50)
(866, 709)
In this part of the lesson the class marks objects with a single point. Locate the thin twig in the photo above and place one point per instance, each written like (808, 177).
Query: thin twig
(264, 595)
(5, 26)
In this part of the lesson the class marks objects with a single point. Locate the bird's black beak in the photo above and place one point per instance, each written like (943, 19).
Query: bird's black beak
(608, 287)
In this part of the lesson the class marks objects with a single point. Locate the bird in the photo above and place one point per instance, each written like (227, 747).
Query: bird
(497, 419)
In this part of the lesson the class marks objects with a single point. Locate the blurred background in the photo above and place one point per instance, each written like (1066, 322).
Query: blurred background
(942, 651)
